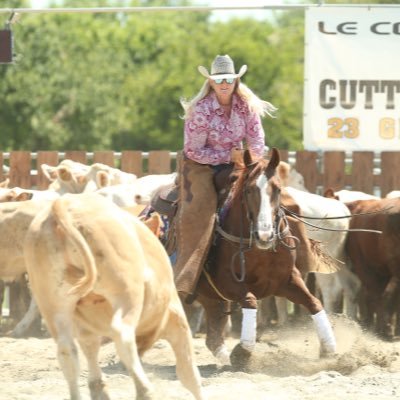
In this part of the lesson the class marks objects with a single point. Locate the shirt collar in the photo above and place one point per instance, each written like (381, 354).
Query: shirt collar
(217, 106)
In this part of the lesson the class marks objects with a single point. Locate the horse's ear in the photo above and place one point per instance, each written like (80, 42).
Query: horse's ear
(247, 158)
(274, 159)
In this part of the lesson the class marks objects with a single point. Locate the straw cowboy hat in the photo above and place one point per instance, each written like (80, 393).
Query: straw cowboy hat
(222, 68)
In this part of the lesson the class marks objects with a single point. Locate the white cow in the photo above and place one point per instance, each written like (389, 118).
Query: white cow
(393, 194)
(74, 177)
(290, 177)
(333, 240)
(96, 271)
(139, 192)
(347, 196)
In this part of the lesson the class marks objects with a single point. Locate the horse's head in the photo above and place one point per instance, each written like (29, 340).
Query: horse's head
(261, 191)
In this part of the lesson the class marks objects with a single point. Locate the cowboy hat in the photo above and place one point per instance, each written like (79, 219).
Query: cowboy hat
(222, 68)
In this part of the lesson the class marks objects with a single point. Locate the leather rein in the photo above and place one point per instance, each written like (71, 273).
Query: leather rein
(246, 243)
(303, 220)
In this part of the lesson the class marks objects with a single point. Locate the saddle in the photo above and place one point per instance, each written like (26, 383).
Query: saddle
(165, 202)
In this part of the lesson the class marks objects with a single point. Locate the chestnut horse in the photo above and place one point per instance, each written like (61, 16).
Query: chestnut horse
(258, 252)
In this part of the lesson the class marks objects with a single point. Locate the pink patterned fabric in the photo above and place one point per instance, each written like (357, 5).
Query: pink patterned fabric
(210, 135)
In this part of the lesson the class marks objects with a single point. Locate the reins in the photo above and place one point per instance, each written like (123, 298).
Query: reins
(302, 219)
(277, 238)
(339, 217)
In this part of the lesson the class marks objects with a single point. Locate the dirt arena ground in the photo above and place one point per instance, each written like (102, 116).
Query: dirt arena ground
(285, 366)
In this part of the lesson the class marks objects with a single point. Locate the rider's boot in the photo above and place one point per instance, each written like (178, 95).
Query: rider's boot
(194, 222)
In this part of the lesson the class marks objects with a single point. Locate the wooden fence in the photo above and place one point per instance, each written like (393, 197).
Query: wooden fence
(365, 171)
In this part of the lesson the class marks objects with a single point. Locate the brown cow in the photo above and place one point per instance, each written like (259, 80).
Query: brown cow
(376, 258)
(96, 270)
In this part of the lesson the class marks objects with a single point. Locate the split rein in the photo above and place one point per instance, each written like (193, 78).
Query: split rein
(302, 219)
(245, 244)
(276, 239)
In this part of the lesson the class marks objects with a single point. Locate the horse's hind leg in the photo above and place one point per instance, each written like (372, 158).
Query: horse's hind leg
(297, 292)
(178, 334)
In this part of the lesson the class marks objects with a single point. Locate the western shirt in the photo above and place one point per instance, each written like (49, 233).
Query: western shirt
(210, 134)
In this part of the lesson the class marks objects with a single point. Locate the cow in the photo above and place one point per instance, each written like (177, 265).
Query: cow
(290, 177)
(15, 218)
(139, 192)
(393, 194)
(96, 270)
(74, 177)
(20, 194)
(376, 258)
(346, 196)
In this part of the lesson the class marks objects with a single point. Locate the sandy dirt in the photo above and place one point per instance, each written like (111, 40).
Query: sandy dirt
(285, 366)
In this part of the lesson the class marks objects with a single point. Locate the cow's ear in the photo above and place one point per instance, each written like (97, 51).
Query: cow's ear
(49, 172)
(5, 183)
(102, 179)
(64, 174)
(154, 223)
(23, 196)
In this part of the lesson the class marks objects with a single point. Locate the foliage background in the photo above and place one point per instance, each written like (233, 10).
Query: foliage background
(114, 81)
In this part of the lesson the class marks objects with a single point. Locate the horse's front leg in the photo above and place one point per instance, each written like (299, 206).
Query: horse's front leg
(217, 312)
(297, 292)
(242, 352)
(249, 322)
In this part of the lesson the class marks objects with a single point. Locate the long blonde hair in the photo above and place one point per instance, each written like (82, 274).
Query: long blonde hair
(255, 104)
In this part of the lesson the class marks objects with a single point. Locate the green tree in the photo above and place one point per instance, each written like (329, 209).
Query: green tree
(114, 81)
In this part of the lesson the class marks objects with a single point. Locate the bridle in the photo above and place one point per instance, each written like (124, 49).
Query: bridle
(281, 231)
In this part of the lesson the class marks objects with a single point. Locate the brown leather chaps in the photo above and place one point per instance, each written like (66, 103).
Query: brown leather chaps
(195, 221)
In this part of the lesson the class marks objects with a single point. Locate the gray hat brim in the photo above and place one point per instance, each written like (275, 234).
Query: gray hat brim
(206, 74)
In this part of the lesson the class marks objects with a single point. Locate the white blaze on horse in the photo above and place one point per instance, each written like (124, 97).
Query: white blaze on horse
(95, 271)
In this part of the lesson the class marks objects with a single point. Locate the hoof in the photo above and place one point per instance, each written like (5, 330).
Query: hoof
(327, 353)
(240, 358)
(222, 355)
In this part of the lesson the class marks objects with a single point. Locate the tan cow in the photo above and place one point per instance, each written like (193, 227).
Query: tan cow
(15, 218)
(74, 177)
(96, 270)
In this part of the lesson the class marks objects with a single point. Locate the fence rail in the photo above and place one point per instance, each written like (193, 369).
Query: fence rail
(375, 173)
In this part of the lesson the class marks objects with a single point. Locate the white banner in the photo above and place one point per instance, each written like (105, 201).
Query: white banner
(352, 79)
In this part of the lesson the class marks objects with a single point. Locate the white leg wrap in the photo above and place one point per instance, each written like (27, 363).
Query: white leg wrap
(249, 328)
(222, 355)
(325, 333)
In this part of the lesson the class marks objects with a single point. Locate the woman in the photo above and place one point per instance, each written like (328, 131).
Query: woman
(223, 115)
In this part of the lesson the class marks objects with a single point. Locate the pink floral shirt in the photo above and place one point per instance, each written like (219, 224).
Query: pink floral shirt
(210, 134)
